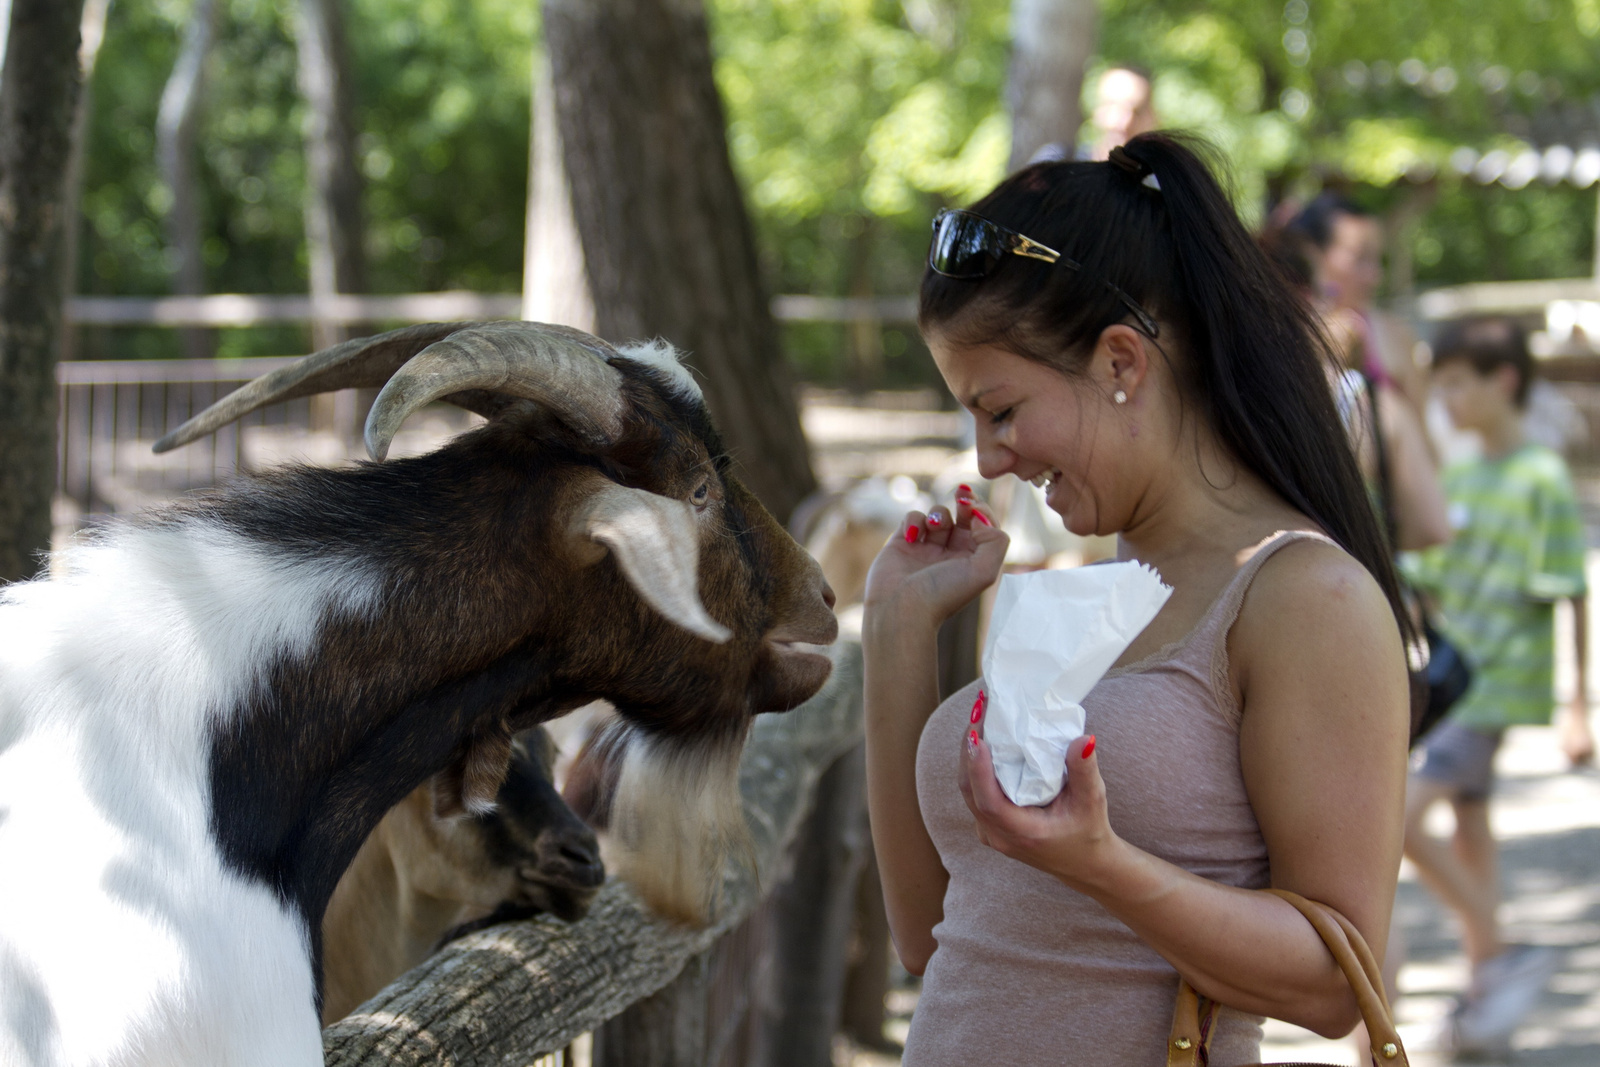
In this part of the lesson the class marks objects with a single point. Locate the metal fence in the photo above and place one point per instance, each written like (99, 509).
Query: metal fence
(112, 412)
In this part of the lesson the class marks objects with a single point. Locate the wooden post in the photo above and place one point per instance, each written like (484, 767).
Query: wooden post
(816, 909)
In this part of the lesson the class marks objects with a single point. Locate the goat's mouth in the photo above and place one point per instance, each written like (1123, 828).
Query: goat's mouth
(794, 646)
(796, 666)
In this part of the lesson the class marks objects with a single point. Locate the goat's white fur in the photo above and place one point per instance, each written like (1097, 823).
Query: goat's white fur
(676, 816)
(662, 356)
(122, 932)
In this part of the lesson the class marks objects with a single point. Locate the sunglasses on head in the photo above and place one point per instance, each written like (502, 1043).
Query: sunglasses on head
(969, 246)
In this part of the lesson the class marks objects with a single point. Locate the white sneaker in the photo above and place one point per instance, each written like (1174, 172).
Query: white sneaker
(1504, 990)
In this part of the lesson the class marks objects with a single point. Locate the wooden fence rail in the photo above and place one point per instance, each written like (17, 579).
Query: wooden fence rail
(509, 994)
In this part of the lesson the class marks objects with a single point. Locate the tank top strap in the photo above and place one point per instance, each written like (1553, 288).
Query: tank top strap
(1207, 649)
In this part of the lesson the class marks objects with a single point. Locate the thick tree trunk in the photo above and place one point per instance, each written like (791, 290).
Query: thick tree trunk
(92, 32)
(555, 285)
(1051, 40)
(38, 93)
(669, 248)
(335, 230)
(175, 129)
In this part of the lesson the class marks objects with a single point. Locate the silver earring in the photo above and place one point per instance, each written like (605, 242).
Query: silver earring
(1120, 397)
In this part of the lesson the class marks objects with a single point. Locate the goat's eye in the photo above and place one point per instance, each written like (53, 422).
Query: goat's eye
(701, 495)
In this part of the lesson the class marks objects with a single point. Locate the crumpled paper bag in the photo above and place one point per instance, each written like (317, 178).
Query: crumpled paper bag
(1052, 635)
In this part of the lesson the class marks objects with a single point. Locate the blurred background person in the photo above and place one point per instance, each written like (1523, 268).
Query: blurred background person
(1518, 547)
(1387, 433)
(1123, 108)
(1345, 245)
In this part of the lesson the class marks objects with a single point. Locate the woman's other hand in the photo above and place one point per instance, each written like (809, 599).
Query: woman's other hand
(1070, 837)
(935, 563)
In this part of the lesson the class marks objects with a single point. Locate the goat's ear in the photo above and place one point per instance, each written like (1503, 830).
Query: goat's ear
(656, 542)
(472, 781)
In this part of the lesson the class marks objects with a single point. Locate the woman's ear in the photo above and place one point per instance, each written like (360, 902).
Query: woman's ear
(1120, 362)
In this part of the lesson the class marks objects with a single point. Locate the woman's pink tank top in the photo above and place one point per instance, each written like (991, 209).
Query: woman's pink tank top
(1030, 972)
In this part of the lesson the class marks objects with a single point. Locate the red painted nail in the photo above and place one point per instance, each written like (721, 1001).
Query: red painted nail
(977, 707)
(981, 517)
(933, 520)
(1088, 748)
(972, 738)
(963, 489)
(911, 535)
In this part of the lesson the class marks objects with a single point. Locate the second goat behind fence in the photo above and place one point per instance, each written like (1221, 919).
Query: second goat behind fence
(422, 876)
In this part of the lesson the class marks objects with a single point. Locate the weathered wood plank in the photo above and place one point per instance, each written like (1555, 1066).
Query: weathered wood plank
(505, 995)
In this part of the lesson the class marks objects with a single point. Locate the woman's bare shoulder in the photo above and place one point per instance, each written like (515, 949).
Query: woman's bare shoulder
(1315, 603)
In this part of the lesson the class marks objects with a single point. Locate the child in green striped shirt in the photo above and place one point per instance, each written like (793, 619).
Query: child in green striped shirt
(1517, 547)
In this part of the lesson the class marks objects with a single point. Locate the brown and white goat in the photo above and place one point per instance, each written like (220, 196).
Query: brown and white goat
(204, 713)
(422, 878)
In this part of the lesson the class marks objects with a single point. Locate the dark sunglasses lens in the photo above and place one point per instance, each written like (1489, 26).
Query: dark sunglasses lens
(965, 246)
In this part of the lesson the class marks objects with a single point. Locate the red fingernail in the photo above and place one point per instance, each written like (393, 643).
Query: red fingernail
(911, 535)
(977, 707)
(981, 517)
(972, 738)
(963, 489)
(933, 520)
(1088, 748)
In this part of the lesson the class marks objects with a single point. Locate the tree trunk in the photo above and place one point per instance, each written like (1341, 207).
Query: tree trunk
(38, 92)
(175, 127)
(669, 249)
(555, 284)
(335, 230)
(1051, 41)
(92, 33)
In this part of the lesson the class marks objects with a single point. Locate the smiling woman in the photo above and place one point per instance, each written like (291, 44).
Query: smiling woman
(1168, 389)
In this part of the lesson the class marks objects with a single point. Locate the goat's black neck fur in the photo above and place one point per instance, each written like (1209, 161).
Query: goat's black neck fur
(476, 630)
(333, 739)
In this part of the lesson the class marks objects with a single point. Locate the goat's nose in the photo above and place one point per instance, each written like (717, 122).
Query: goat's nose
(579, 852)
(827, 595)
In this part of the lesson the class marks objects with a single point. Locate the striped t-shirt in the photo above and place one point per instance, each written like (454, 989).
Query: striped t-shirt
(1518, 546)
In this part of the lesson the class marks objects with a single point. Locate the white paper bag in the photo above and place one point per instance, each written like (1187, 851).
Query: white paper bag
(1051, 636)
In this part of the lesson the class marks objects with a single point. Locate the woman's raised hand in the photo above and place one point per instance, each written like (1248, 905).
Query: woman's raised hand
(936, 563)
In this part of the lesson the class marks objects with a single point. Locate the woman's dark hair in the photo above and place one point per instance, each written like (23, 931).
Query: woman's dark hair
(1315, 221)
(1487, 343)
(1256, 362)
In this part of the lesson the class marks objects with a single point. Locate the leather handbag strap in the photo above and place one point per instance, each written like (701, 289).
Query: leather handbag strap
(1192, 1023)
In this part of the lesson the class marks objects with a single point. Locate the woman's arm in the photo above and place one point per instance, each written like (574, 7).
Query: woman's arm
(1419, 505)
(901, 692)
(913, 587)
(1321, 675)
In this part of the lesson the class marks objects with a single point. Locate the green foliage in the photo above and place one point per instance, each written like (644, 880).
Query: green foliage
(1369, 94)
(849, 122)
(442, 92)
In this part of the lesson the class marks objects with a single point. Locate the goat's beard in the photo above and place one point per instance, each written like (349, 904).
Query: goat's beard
(676, 817)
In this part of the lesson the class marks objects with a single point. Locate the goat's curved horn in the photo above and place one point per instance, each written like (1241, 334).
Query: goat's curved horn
(559, 368)
(655, 542)
(363, 363)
